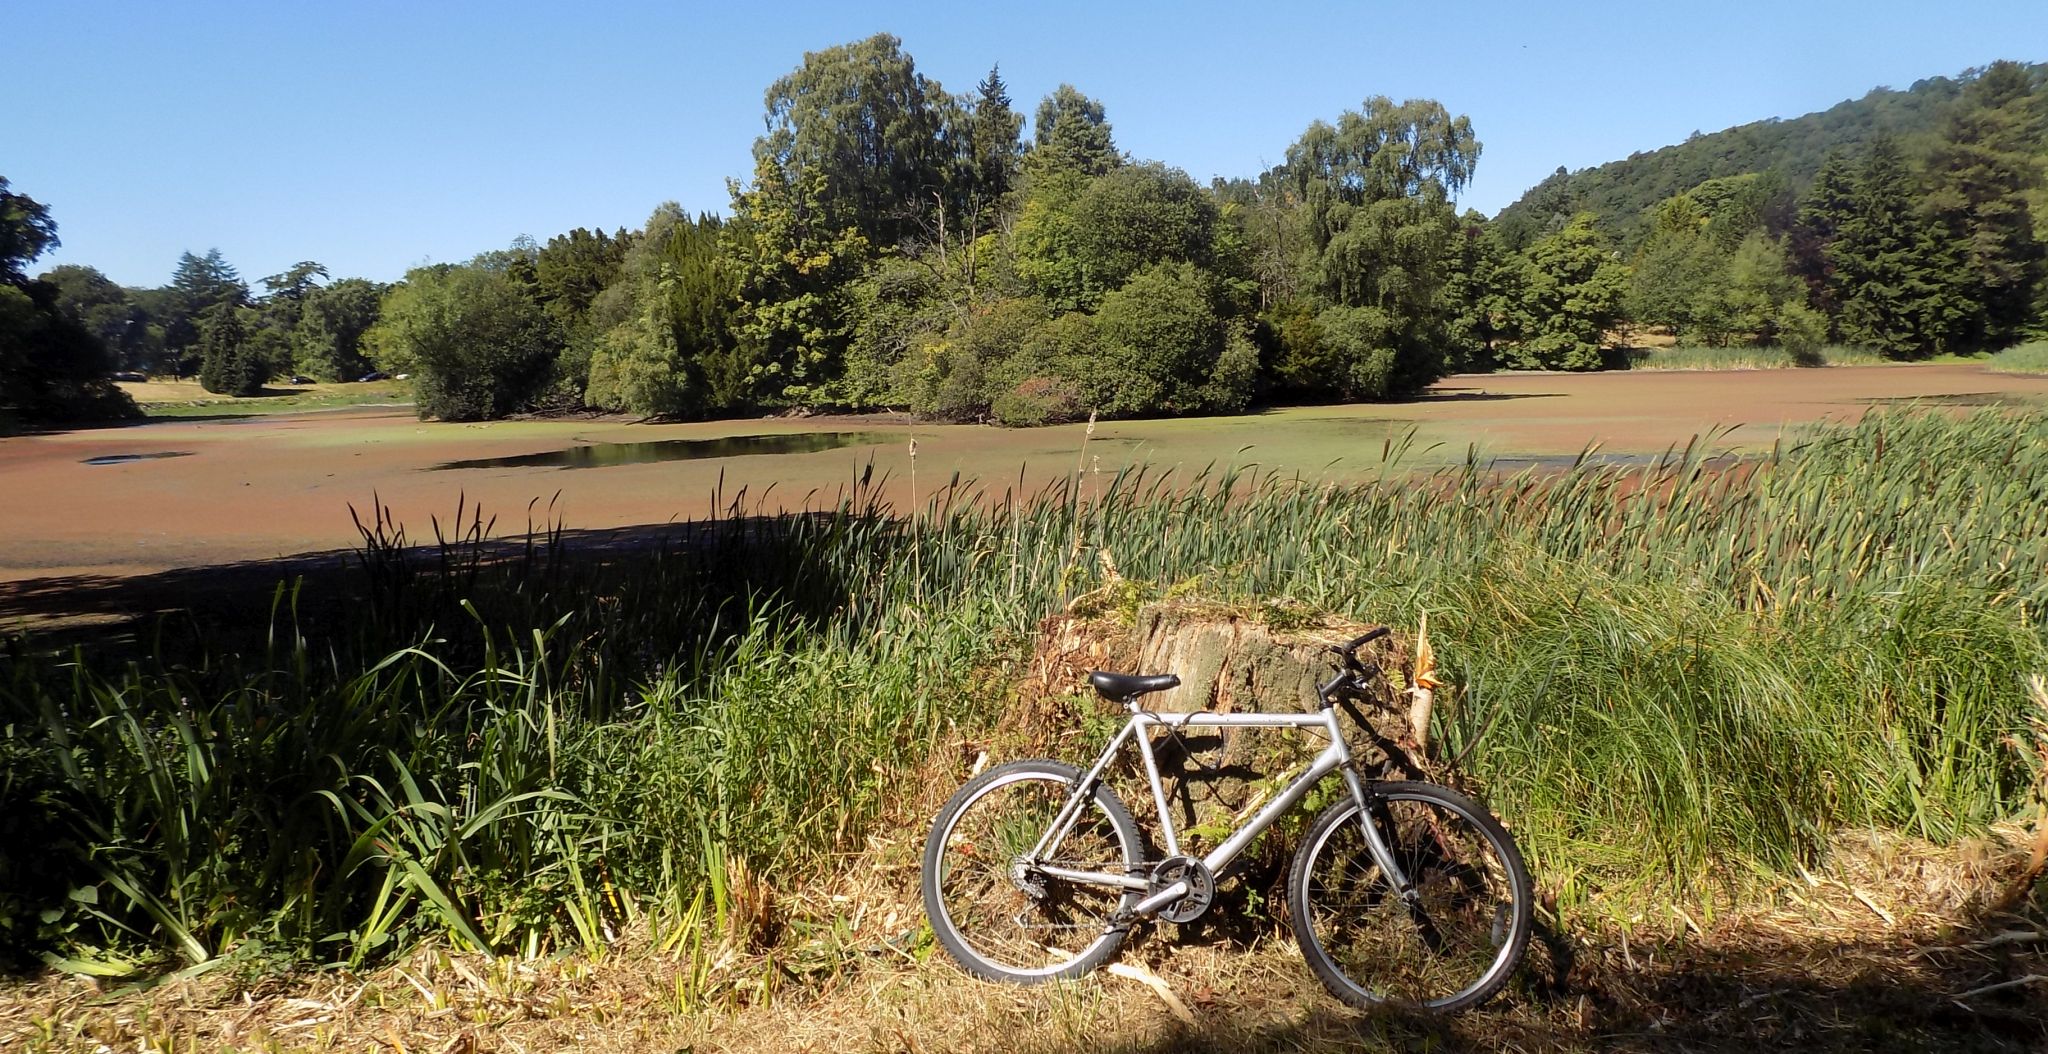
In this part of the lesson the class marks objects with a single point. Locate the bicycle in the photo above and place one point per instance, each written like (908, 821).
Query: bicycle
(1402, 892)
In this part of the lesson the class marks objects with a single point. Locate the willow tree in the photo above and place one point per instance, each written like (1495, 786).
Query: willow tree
(883, 144)
(1382, 238)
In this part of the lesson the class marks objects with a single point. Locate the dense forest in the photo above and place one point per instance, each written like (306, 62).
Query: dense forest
(1623, 194)
(898, 245)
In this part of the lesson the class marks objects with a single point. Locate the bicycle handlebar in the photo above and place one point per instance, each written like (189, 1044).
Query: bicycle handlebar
(1346, 652)
(1354, 672)
(1366, 639)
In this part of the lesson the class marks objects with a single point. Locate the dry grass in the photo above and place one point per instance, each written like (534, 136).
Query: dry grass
(1889, 946)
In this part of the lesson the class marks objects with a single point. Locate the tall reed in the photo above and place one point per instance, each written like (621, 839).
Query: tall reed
(1668, 676)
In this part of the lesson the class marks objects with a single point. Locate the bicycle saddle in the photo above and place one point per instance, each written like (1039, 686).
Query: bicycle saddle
(1119, 687)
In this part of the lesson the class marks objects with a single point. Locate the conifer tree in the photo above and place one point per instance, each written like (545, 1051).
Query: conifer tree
(1823, 210)
(227, 365)
(993, 143)
(1072, 134)
(1888, 261)
(1981, 172)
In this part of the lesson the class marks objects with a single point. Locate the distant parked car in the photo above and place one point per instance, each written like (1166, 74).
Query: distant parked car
(300, 378)
(375, 375)
(400, 376)
(131, 375)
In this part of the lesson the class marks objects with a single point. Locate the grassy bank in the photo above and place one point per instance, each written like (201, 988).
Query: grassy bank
(1671, 680)
(2027, 358)
(172, 398)
(1748, 358)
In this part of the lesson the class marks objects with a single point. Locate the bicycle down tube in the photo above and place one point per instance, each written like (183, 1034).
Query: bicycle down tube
(1333, 757)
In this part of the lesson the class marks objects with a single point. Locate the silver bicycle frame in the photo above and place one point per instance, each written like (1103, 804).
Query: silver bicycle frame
(1334, 757)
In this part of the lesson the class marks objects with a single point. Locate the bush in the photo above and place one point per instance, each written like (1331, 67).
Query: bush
(1359, 352)
(980, 360)
(1038, 401)
(1159, 343)
(482, 346)
(1802, 332)
(1236, 375)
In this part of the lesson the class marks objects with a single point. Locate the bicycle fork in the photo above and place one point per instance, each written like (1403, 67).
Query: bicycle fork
(1376, 842)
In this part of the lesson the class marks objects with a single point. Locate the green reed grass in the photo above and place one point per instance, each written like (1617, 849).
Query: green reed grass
(1748, 358)
(1669, 678)
(2026, 358)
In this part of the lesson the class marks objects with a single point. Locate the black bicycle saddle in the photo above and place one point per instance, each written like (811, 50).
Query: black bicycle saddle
(1119, 687)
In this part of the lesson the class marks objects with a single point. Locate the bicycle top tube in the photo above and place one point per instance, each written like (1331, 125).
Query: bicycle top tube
(1211, 719)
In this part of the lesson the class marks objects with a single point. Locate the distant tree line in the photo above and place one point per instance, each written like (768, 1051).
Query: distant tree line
(1920, 231)
(66, 333)
(898, 245)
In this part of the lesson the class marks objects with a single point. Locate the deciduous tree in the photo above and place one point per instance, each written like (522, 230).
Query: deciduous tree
(51, 367)
(1382, 236)
(1077, 241)
(332, 325)
(480, 344)
(1572, 287)
(867, 135)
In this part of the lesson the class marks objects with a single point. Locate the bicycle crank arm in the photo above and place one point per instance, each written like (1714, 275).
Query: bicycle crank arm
(1160, 899)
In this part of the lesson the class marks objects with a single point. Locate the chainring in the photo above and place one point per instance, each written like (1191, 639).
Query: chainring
(1201, 887)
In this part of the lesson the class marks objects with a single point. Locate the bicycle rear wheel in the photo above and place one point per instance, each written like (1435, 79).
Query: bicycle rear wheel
(1005, 921)
(1449, 949)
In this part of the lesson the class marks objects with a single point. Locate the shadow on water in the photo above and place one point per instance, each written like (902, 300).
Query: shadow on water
(228, 608)
(600, 455)
(122, 459)
(1479, 395)
(1603, 459)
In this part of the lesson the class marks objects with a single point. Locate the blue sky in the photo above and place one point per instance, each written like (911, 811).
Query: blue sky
(378, 136)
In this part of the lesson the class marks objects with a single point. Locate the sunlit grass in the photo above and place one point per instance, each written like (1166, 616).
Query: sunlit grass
(188, 399)
(2026, 358)
(1667, 677)
(1748, 358)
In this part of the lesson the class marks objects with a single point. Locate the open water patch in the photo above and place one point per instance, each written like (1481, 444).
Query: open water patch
(122, 459)
(601, 455)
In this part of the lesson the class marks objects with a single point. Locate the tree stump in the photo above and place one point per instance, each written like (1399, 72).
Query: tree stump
(1231, 658)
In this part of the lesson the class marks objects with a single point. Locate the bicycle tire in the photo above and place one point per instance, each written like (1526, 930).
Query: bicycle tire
(1370, 948)
(972, 884)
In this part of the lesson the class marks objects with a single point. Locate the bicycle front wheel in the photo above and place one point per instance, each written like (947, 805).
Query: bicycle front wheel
(1449, 947)
(993, 909)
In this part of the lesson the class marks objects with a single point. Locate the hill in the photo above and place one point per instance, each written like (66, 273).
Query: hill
(1619, 191)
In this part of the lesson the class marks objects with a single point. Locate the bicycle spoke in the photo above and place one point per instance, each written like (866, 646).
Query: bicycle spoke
(1009, 912)
(1437, 944)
